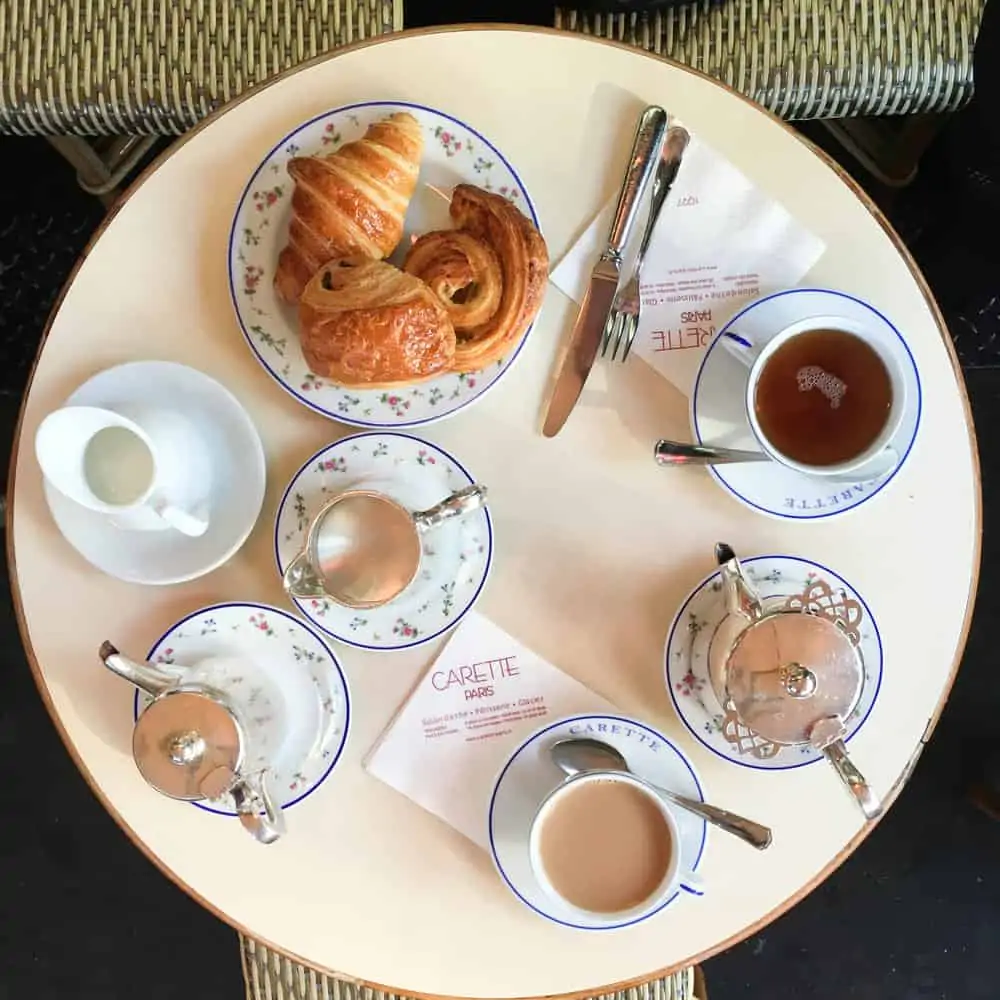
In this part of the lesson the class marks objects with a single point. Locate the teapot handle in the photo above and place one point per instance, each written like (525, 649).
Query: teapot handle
(836, 754)
(259, 814)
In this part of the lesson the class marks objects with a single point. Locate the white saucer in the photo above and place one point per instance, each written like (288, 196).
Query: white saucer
(456, 557)
(237, 460)
(718, 409)
(302, 666)
(690, 637)
(529, 775)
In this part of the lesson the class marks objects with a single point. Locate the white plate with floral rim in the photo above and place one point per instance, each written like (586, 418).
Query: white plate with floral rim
(456, 557)
(689, 639)
(281, 645)
(529, 775)
(454, 153)
(719, 414)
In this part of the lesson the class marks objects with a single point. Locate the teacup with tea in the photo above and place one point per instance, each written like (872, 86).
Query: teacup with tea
(605, 846)
(824, 396)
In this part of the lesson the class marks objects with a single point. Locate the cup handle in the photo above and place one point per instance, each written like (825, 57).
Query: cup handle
(184, 522)
(691, 883)
(259, 814)
(740, 346)
(300, 579)
(459, 504)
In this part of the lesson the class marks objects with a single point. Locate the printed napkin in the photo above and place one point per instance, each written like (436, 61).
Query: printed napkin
(720, 242)
(476, 703)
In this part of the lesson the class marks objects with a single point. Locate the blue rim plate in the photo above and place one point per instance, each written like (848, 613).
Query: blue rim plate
(454, 152)
(529, 775)
(685, 656)
(456, 559)
(286, 643)
(718, 409)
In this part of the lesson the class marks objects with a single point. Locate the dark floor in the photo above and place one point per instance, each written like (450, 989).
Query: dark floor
(914, 914)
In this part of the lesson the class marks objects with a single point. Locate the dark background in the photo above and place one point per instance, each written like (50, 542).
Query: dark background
(914, 914)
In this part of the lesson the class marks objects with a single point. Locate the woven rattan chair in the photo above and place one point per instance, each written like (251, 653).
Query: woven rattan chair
(836, 60)
(270, 976)
(125, 73)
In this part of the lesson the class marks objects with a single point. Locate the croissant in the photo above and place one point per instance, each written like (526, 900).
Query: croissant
(365, 323)
(457, 264)
(351, 202)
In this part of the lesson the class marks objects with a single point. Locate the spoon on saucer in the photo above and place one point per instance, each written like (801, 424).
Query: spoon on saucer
(678, 453)
(674, 453)
(579, 754)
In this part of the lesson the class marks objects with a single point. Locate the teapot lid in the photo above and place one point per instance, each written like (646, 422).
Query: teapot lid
(790, 669)
(188, 745)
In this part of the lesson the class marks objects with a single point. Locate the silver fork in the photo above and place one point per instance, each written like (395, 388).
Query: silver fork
(623, 320)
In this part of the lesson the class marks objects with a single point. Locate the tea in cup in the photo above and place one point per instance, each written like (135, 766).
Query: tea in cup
(604, 844)
(824, 396)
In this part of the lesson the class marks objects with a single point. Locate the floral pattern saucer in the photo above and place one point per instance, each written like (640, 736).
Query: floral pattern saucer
(690, 636)
(456, 556)
(299, 663)
(454, 153)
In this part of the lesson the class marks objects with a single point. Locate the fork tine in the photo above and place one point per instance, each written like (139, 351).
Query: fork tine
(609, 327)
(619, 326)
(620, 334)
(633, 328)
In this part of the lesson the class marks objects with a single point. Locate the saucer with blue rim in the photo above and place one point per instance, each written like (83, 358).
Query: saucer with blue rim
(529, 775)
(719, 417)
(455, 558)
(686, 657)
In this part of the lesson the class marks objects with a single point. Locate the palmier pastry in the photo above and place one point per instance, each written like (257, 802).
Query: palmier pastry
(351, 202)
(463, 271)
(365, 323)
(496, 224)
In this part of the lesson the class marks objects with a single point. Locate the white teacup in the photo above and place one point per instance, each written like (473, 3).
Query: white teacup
(675, 877)
(879, 457)
(132, 467)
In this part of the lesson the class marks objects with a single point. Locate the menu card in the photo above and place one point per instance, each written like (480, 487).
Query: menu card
(720, 242)
(477, 702)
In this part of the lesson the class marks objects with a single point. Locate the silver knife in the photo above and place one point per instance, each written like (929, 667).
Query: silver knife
(586, 336)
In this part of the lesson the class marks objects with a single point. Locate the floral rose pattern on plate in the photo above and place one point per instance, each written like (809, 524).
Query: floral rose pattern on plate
(266, 635)
(453, 154)
(690, 635)
(456, 557)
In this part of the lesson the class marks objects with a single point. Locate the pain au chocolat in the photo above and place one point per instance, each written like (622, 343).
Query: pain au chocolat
(366, 324)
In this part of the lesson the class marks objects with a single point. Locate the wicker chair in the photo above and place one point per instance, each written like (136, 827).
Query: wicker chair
(847, 62)
(126, 73)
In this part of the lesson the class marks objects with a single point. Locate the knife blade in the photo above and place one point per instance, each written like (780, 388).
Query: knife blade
(585, 338)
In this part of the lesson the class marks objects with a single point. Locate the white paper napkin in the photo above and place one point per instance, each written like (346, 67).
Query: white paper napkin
(720, 242)
(478, 701)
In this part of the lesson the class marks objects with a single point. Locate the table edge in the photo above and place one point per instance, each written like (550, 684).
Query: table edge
(925, 291)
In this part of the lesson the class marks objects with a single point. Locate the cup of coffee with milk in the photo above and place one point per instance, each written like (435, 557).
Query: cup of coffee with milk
(606, 849)
(146, 469)
(825, 396)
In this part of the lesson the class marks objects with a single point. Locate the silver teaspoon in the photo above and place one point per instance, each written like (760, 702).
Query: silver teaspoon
(575, 755)
(679, 453)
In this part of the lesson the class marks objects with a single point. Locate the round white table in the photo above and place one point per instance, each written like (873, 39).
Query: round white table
(596, 545)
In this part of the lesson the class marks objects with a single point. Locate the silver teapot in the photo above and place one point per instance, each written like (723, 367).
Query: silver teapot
(787, 674)
(211, 729)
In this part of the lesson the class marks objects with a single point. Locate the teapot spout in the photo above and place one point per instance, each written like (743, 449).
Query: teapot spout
(741, 598)
(148, 677)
